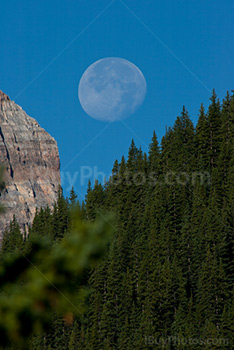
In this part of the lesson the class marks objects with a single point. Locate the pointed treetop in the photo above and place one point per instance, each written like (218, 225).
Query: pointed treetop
(122, 165)
(123, 160)
(202, 115)
(226, 101)
(154, 138)
(73, 196)
(115, 167)
(154, 147)
(215, 103)
(202, 109)
(183, 121)
(213, 96)
(89, 186)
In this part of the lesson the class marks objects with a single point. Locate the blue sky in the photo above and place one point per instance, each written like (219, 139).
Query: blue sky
(184, 48)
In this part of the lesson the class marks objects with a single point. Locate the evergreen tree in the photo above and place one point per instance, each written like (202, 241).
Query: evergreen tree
(214, 124)
(73, 197)
(60, 217)
(154, 155)
(202, 140)
(13, 240)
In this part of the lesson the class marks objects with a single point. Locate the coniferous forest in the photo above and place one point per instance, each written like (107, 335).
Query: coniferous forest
(167, 279)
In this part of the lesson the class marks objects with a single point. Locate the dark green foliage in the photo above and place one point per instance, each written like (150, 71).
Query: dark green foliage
(12, 239)
(60, 220)
(214, 126)
(154, 155)
(202, 140)
(73, 198)
(169, 273)
(170, 268)
(43, 285)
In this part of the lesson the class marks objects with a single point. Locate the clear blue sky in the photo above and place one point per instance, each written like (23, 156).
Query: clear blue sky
(184, 48)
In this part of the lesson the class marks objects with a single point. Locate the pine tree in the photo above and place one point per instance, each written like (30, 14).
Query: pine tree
(214, 124)
(73, 197)
(178, 145)
(154, 155)
(12, 240)
(202, 140)
(226, 143)
(60, 218)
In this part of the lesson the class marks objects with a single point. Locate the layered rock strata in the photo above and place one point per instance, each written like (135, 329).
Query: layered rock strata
(31, 165)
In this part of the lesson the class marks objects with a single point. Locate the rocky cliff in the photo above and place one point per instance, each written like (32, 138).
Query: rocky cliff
(31, 160)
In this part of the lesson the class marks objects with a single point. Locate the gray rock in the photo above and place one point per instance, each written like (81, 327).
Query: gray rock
(31, 161)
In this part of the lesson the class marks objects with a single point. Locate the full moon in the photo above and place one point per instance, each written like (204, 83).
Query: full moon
(112, 89)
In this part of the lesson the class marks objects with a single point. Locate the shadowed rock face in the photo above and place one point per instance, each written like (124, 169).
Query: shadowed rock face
(31, 160)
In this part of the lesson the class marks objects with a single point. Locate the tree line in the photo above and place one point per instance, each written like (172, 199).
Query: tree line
(167, 279)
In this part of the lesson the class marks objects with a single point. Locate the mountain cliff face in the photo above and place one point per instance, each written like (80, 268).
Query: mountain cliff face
(31, 160)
